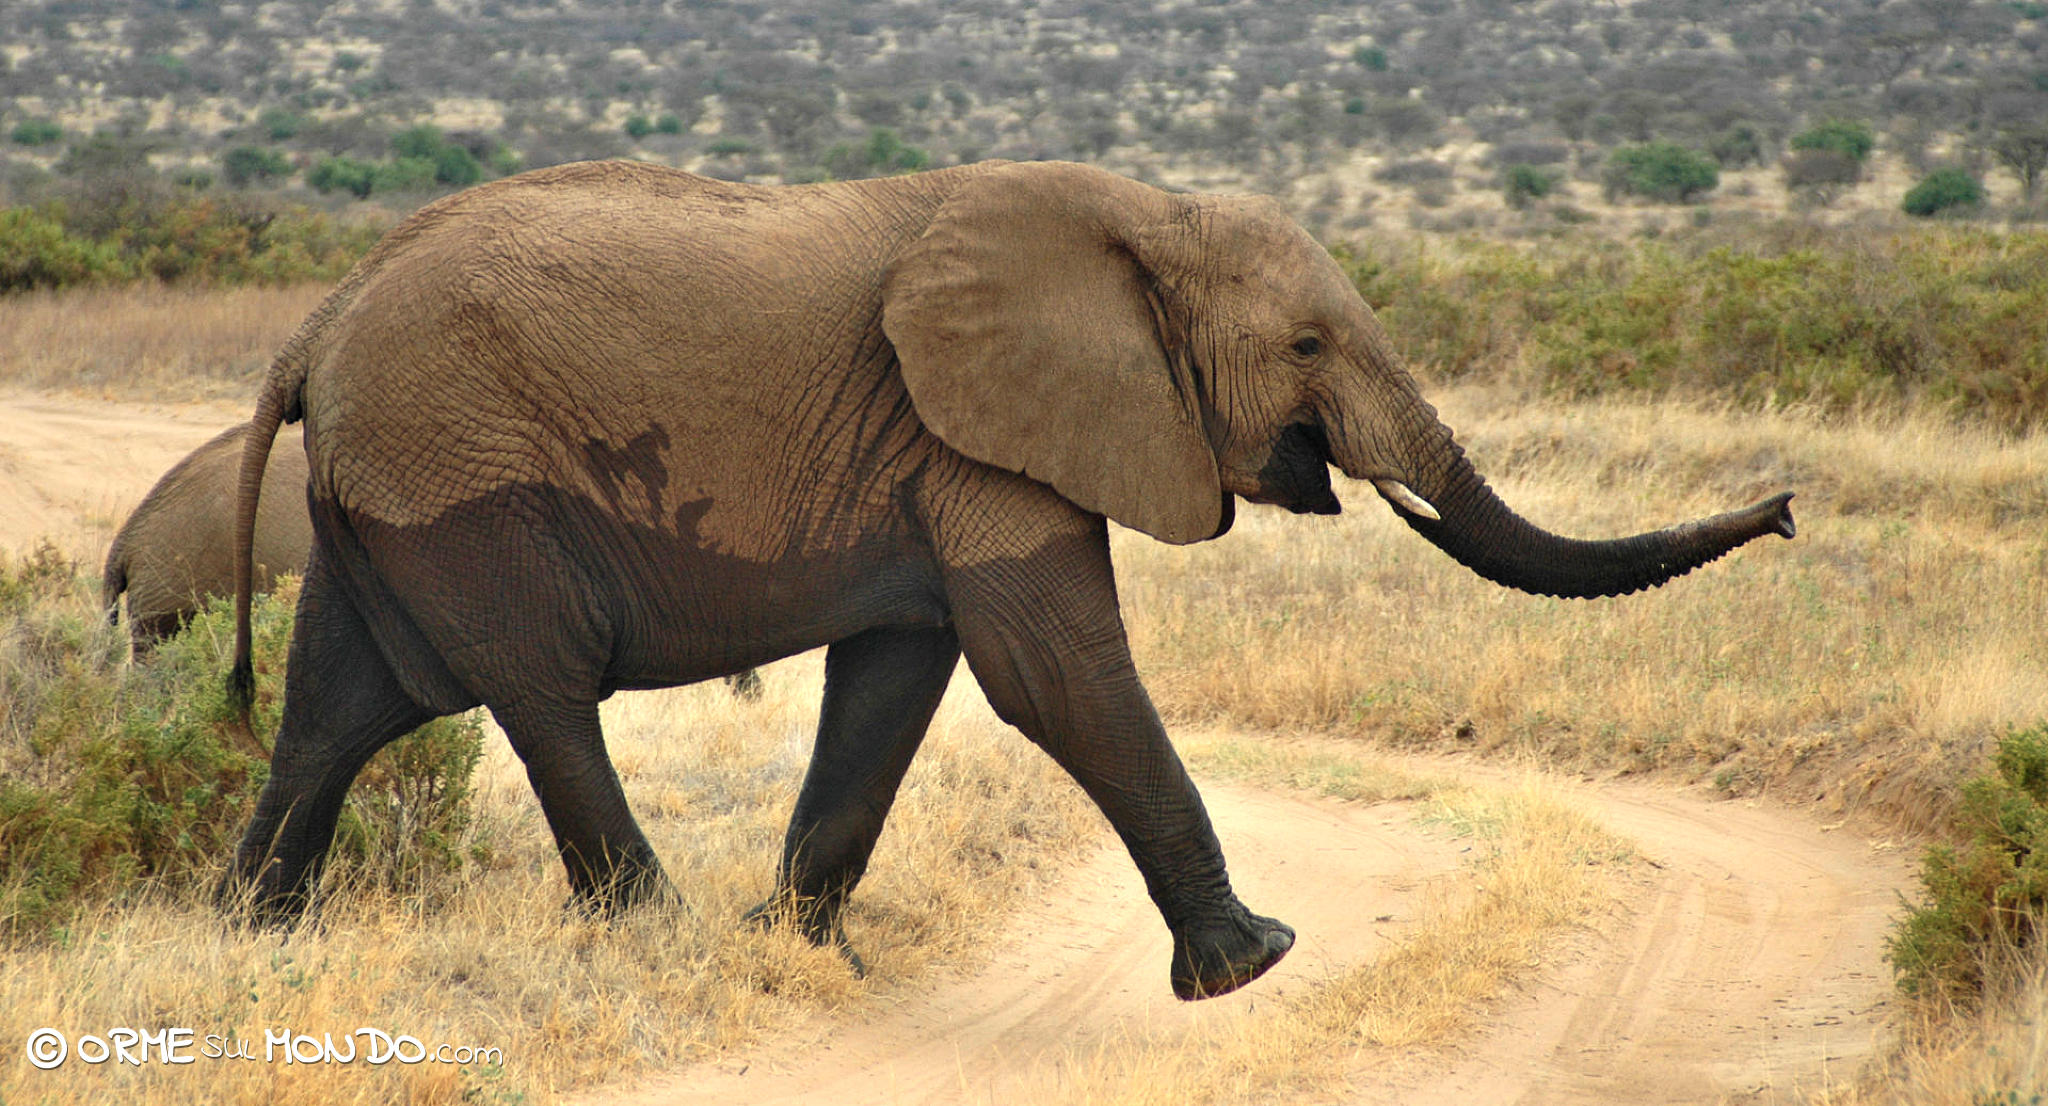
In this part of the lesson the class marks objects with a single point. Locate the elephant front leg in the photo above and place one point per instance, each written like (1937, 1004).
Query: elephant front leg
(1044, 638)
(881, 690)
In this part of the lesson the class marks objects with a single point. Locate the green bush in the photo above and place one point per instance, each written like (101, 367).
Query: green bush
(172, 237)
(1525, 184)
(883, 154)
(1371, 58)
(1661, 171)
(638, 126)
(37, 252)
(405, 174)
(280, 124)
(422, 141)
(1942, 313)
(35, 132)
(344, 174)
(1984, 896)
(1944, 190)
(243, 165)
(123, 778)
(1850, 138)
(456, 166)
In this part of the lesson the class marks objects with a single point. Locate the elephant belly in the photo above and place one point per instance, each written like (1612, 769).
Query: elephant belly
(529, 587)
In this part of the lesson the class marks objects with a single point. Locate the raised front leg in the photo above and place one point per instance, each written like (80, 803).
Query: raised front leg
(1042, 632)
(881, 689)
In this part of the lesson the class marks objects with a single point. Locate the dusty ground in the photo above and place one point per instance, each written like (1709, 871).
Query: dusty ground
(1744, 964)
(71, 470)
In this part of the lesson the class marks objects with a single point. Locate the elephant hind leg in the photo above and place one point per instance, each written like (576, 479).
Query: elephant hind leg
(342, 704)
(610, 864)
(881, 689)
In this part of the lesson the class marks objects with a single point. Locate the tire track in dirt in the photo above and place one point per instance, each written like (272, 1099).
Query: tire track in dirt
(1087, 963)
(1743, 963)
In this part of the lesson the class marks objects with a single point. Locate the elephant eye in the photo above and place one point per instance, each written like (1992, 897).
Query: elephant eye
(1307, 346)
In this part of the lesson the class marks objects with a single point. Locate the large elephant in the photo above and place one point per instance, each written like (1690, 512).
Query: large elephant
(611, 425)
(176, 551)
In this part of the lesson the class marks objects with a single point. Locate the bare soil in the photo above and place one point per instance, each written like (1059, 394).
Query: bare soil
(72, 469)
(1744, 963)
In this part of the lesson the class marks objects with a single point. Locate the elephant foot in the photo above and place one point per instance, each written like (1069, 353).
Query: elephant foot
(262, 902)
(1217, 958)
(812, 923)
(612, 899)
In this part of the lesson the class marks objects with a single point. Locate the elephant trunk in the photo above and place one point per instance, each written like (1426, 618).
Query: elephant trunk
(1482, 533)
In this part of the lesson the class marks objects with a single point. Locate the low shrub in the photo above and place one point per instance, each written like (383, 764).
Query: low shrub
(143, 234)
(1985, 896)
(1944, 190)
(1523, 185)
(1849, 138)
(1944, 313)
(1662, 171)
(115, 778)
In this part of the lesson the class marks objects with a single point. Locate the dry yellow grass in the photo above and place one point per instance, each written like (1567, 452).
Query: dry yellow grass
(1871, 659)
(570, 1003)
(1995, 1057)
(148, 341)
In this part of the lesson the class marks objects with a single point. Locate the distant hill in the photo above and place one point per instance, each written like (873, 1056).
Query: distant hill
(1354, 113)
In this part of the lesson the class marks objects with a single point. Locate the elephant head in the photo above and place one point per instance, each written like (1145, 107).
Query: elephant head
(1151, 355)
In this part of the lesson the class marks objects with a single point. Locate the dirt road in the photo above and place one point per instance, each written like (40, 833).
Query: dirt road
(1745, 963)
(71, 470)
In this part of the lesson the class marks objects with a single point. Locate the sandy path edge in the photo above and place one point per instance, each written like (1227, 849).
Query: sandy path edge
(1743, 963)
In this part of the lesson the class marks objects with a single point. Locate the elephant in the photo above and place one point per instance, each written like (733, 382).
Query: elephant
(176, 549)
(611, 425)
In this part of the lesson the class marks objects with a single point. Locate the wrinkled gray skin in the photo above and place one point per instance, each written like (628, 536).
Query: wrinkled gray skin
(176, 551)
(613, 426)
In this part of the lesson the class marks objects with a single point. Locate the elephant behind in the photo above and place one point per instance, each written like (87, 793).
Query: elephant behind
(176, 550)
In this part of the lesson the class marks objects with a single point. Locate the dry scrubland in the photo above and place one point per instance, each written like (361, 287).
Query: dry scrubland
(1869, 661)
(1866, 668)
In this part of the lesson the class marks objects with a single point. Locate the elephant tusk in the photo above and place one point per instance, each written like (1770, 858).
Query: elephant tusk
(1400, 495)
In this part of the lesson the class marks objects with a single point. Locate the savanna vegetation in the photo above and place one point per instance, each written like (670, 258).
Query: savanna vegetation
(1873, 670)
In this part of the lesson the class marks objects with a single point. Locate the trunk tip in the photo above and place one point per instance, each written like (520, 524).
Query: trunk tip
(1779, 507)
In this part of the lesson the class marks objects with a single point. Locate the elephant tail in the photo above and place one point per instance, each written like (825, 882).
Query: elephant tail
(280, 402)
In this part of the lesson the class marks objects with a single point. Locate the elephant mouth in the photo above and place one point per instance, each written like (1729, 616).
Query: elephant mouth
(1297, 474)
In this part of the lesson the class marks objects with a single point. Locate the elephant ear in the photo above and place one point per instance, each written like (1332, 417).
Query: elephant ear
(1030, 339)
